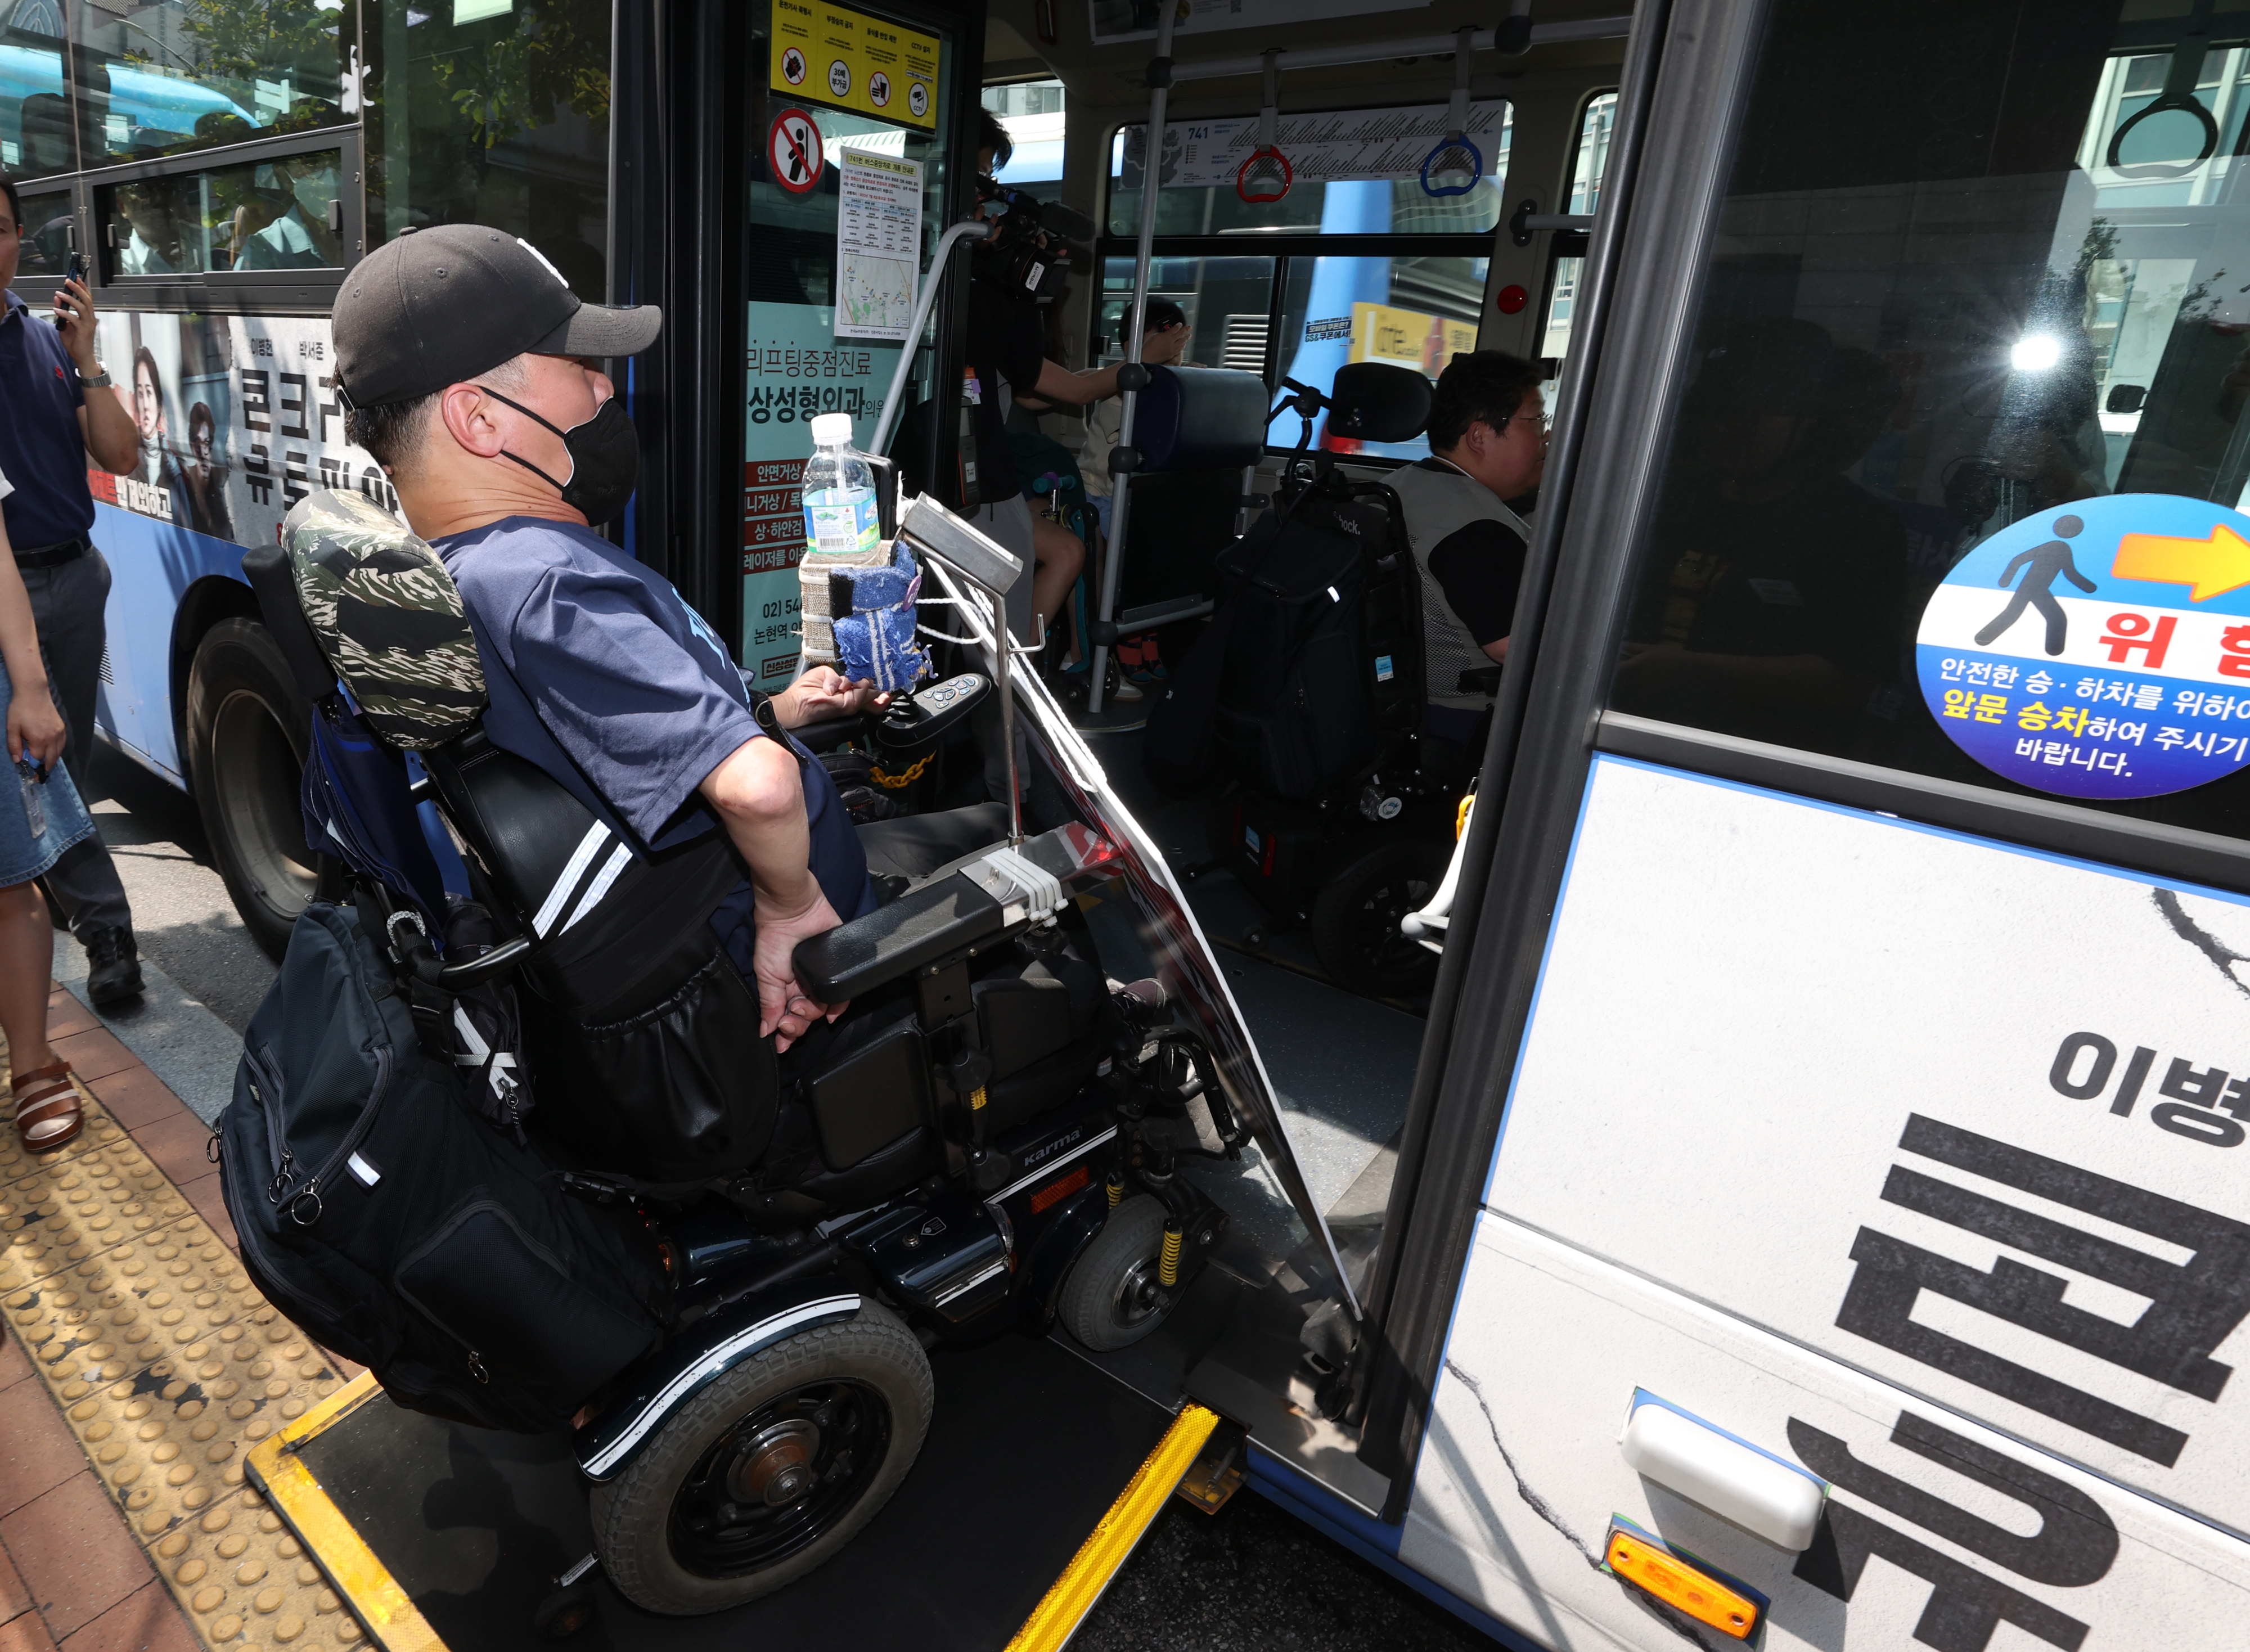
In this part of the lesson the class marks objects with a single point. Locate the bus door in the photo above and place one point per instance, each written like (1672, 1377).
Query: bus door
(1830, 1212)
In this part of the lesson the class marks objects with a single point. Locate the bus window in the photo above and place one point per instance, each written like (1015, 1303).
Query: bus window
(492, 113)
(1227, 301)
(1593, 158)
(46, 234)
(1908, 350)
(1346, 268)
(262, 215)
(35, 137)
(192, 74)
(1033, 112)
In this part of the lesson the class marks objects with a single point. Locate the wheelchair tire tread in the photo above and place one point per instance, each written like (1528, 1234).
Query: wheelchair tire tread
(632, 1514)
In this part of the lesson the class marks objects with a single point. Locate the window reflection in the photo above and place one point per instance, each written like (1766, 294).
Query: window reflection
(192, 74)
(1925, 324)
(492, 113)
(265, 215)
(47, 226)
(35, 138)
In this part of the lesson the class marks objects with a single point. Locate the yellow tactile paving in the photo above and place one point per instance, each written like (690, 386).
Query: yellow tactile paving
(169, 1367)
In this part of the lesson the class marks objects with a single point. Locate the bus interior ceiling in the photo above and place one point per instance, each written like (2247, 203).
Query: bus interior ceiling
(1342, 1064)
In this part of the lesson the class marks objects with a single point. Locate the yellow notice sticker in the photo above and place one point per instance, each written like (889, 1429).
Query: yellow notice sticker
(848, 60)
(1409, 338)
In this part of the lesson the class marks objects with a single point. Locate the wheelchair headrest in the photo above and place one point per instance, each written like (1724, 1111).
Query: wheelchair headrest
(1378, 401)
(1200, 418)
(387, 616)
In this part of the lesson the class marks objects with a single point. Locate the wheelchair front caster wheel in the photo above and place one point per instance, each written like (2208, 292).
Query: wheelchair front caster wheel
(562, 1614)
(1356, 920)
(1114, 1296)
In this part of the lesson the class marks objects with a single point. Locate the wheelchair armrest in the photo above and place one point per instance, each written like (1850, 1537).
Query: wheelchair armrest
(937, 921)
(1479, 679)
(829, 733)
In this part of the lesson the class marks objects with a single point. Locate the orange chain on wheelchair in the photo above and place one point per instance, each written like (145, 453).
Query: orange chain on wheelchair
(893, 782)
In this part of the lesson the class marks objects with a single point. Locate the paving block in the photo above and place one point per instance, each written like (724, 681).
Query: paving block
(75, 1555)
(136, 1097)
(145, 1621)
(36, 1452)
(93, 1054)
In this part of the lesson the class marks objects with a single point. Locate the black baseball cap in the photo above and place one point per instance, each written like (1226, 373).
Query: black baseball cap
(442, 304)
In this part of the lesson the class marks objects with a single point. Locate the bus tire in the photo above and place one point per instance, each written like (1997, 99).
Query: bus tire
(247, 729)
(708, 1516)
(1111, 1298)
(1356, 919)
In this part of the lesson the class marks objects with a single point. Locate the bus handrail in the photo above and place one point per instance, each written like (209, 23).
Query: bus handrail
(1429, 45)
(908, 348)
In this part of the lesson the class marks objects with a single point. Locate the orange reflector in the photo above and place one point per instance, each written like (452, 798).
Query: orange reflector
(1674, 1582)
(1062, 1189)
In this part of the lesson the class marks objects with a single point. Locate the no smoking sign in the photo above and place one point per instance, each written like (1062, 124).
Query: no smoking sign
(793, 152)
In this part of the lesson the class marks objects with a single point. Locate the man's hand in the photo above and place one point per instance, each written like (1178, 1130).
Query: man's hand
(74, 321)
(822, 693)
(784, 1007)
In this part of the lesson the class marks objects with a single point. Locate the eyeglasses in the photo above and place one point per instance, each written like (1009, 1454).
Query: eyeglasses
(1545, 421)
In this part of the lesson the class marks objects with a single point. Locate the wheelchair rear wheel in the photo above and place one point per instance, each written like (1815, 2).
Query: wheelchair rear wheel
(1357, 915)
(770, 1470)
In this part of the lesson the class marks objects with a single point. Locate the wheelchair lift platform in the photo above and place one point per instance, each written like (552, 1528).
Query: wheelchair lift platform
(1039, 1476)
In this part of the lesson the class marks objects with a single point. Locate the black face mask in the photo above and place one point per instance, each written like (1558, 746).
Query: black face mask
(604, 459)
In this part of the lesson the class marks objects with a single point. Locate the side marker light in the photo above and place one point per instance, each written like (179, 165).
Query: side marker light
(1702, 1597)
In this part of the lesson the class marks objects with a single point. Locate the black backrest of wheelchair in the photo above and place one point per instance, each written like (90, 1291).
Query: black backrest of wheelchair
(604, 919)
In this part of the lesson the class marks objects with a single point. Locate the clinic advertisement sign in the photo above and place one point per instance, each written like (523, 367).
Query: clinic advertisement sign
(2100, 649)
(795, 367)
(238, 421)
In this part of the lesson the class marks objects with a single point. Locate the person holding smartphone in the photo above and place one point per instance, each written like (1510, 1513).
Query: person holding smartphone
(51, 430)
(41, 818)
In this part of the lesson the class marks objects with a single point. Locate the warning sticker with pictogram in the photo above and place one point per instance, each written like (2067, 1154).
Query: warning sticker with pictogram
(2098, 649)
(793, 153)
(830, 54)
(879, 89)
(792, 66)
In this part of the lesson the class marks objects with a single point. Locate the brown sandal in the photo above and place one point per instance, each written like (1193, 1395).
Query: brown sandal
(49, 1117)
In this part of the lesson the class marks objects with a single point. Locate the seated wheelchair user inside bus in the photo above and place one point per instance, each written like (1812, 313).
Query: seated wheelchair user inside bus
(1487, 447)
(464, 358)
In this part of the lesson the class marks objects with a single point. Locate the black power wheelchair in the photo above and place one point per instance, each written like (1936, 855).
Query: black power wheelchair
(989, 1141)
(1338, 813)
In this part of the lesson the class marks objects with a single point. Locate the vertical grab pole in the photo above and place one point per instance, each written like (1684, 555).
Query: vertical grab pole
(1121, 488)
(1002, 646)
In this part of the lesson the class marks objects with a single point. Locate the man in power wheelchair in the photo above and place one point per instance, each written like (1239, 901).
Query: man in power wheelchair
(813, 1133)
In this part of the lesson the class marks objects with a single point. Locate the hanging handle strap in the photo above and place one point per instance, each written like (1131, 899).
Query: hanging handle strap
(1269, 115)
(1457, 114)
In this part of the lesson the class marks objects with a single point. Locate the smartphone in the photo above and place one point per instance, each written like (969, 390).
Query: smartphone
(81, 267)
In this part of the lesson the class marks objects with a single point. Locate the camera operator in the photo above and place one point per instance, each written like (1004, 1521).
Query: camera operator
(1016, 273)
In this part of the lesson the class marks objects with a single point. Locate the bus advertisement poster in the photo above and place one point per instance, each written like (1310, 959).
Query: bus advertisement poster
(238, 421)
(844, 58)
(796, 366)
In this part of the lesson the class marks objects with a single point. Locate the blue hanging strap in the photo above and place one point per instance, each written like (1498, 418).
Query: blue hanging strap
(1456, 152)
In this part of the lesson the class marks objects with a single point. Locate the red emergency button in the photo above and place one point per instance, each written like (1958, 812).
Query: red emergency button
(1512, 298)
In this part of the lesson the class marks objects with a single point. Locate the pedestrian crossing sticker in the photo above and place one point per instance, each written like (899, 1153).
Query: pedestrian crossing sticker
(2098, 649)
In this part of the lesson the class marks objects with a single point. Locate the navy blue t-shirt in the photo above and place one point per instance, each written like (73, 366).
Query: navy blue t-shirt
(42, 448)
(599, 674)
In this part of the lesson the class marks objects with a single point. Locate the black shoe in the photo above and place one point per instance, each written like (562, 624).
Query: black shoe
(113, 967)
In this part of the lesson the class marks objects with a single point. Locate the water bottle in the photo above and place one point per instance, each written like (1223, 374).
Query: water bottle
(35, 808)
(841, 517)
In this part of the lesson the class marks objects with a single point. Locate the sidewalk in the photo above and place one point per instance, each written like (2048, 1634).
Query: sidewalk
(108, 1528)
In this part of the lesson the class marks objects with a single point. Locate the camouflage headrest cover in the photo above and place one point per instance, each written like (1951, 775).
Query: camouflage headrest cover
(389, 617)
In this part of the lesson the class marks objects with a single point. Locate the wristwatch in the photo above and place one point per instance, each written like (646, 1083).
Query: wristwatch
(94, 381)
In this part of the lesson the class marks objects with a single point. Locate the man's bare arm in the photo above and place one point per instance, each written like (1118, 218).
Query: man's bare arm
(760, 796)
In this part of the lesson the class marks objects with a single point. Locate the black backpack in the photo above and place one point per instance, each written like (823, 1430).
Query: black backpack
(1312, 660)
(396, 1225)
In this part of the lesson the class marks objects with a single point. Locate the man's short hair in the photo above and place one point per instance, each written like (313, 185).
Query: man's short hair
(394, 432)
(1480, 384)
(1161, 312)
(15, 200)
(991, 135)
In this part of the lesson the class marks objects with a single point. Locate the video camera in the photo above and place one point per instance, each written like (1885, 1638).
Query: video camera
(1021, 258)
